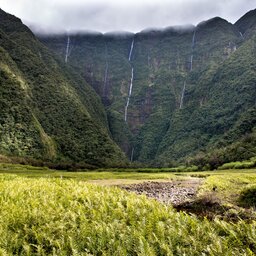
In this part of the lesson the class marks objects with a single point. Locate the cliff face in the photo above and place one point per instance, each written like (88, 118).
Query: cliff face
(47, 110)
(168, 94)
(171, 93)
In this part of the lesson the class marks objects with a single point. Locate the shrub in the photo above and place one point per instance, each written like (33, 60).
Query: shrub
(238, 165)
(248, 196)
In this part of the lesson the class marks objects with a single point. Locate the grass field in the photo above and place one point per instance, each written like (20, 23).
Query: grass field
(45, 212)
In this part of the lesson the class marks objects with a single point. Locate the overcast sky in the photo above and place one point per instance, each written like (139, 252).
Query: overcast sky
(128, 15)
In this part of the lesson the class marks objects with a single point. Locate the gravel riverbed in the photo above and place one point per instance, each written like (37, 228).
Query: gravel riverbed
(174, 193)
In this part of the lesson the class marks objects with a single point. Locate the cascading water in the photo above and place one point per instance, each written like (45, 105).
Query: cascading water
(131, 83)
(131, 159)
(106, 73)
(191, 68)
(242, 36)
(182, 94)
(192, 50)
(67, 49)
(191, 62)
(128, 99)
(105, 79)
(131, 49)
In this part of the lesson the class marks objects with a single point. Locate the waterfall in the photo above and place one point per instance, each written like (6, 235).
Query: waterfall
(131, 159)
(131, 49)
(67, 50)
(193, 39)
(242, 36)
(192, 50)
(131, 82)
(191, 62)
(182, 94)
(128, 99)
(105, 79)
(191, 68)
(106, 72)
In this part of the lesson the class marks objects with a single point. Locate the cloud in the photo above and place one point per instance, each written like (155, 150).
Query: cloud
(132, 15)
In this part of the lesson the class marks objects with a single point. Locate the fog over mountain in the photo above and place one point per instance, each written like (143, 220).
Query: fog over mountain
(112, 15)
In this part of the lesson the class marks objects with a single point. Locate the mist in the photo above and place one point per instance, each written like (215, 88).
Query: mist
(114, 15)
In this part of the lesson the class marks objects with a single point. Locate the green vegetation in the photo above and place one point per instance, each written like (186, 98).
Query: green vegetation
(106, 174)
(48, 112)
(248, 196)
(216, 123)
(51, 117)
(67, 217)
(228, 186)
(239, 165)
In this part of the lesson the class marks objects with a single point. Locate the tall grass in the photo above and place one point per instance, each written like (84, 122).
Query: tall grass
(239, 165)
(69, 217)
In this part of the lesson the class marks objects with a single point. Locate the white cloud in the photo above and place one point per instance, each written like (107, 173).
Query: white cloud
(132, 15)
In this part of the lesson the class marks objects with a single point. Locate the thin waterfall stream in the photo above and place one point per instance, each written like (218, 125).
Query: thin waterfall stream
(106, 72)
(131, 83)
(128, 99)
(191, 68)
(131, 159)
(131, 49)
(242, 36)
(182, 94)
(67, 49)
(192, 52)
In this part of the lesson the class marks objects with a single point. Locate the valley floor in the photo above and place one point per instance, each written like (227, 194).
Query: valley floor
(48, 212)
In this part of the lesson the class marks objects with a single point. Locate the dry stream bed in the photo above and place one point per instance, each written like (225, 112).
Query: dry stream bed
(175, 192)
(182, 195)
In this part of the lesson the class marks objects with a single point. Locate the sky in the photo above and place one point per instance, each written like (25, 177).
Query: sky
(121, 15)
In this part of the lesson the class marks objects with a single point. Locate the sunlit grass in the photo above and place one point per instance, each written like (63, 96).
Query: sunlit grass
(68, 217)
(228, 186)
(29, 171)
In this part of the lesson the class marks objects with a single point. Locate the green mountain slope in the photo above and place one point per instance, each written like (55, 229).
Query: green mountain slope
(247, 24)
(47, 110)
(215, 108)
(191, 90)
(170, 95)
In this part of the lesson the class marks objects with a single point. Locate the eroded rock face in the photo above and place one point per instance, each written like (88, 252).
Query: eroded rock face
(173, 193)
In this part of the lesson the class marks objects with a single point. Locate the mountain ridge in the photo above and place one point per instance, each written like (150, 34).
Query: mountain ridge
(59, 106)
(196, 55)
(170, 96)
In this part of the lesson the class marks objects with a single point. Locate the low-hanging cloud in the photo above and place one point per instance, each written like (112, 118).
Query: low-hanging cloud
(111, 15)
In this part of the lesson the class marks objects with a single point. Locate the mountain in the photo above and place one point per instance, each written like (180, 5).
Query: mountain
(164, 96)
(48, 111)
(247, 24)
(173, 94)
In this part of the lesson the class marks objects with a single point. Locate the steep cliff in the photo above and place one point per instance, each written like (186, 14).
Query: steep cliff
(47, 110)
(170, 93)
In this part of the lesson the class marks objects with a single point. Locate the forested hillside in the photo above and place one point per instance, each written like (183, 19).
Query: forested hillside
(176, 94)
(48, 111)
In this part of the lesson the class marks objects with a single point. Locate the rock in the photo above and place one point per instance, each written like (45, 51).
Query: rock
(166, 192)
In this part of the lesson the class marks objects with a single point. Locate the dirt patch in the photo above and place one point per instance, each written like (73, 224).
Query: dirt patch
(182, 195)
(174, 193)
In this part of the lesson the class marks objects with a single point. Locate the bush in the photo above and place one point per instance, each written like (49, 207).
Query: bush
(239, 165)
(248, 197)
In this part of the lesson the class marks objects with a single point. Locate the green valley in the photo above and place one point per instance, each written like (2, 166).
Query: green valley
(46, 212)
(190, 90)
(120, 143)
(48, 112)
